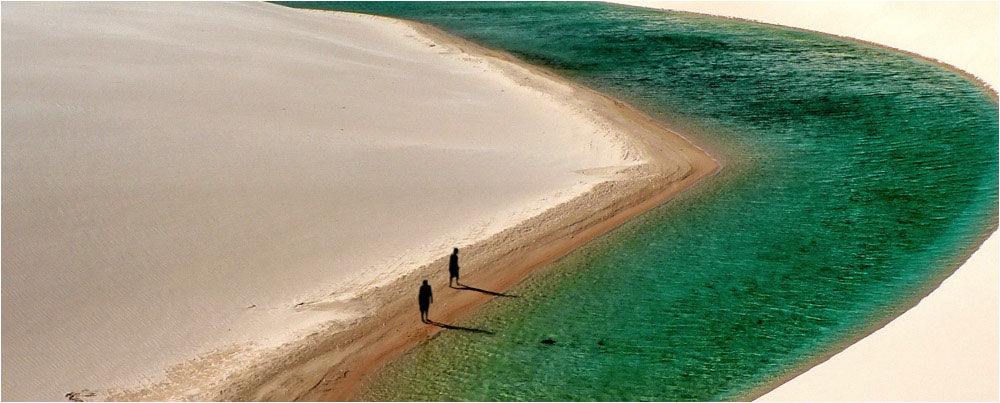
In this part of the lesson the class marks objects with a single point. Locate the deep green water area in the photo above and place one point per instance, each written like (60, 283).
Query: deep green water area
(856, 178)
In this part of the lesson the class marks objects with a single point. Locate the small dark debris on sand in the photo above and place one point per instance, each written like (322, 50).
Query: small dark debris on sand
(79, 396)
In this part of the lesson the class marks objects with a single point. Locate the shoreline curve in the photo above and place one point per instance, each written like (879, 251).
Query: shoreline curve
(336, 366)
(301, 379)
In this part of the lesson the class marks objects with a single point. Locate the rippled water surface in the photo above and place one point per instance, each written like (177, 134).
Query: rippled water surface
(856, 178)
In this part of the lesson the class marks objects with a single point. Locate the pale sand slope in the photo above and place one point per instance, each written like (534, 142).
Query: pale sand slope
(945, 348)
(178, 177)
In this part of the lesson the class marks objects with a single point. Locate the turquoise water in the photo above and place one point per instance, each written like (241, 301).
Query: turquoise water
(856, 178)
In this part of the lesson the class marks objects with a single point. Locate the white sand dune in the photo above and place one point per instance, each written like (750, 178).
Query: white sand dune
(945, 348)
(178, 177)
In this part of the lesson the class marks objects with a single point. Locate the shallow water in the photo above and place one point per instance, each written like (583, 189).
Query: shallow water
(856, 178)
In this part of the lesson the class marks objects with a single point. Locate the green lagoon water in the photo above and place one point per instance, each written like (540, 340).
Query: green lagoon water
(856, 178)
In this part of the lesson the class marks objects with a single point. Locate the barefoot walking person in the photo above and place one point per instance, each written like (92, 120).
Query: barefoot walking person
(453, 268)
(425, 298)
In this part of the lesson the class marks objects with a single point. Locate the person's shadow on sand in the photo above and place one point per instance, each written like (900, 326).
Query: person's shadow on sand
(466, 329)
(461, 286)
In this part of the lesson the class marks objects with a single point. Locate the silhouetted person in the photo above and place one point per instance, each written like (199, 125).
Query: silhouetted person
(425, 298)
(453, 268)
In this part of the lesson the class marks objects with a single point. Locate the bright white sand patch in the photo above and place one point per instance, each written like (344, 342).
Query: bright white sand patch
(178, 177)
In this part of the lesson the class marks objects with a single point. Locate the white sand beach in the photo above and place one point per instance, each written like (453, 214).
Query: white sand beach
(202, 181)
(946, 347)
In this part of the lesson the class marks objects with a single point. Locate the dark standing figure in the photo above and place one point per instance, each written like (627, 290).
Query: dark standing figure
(425, 298)
(453, 268)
